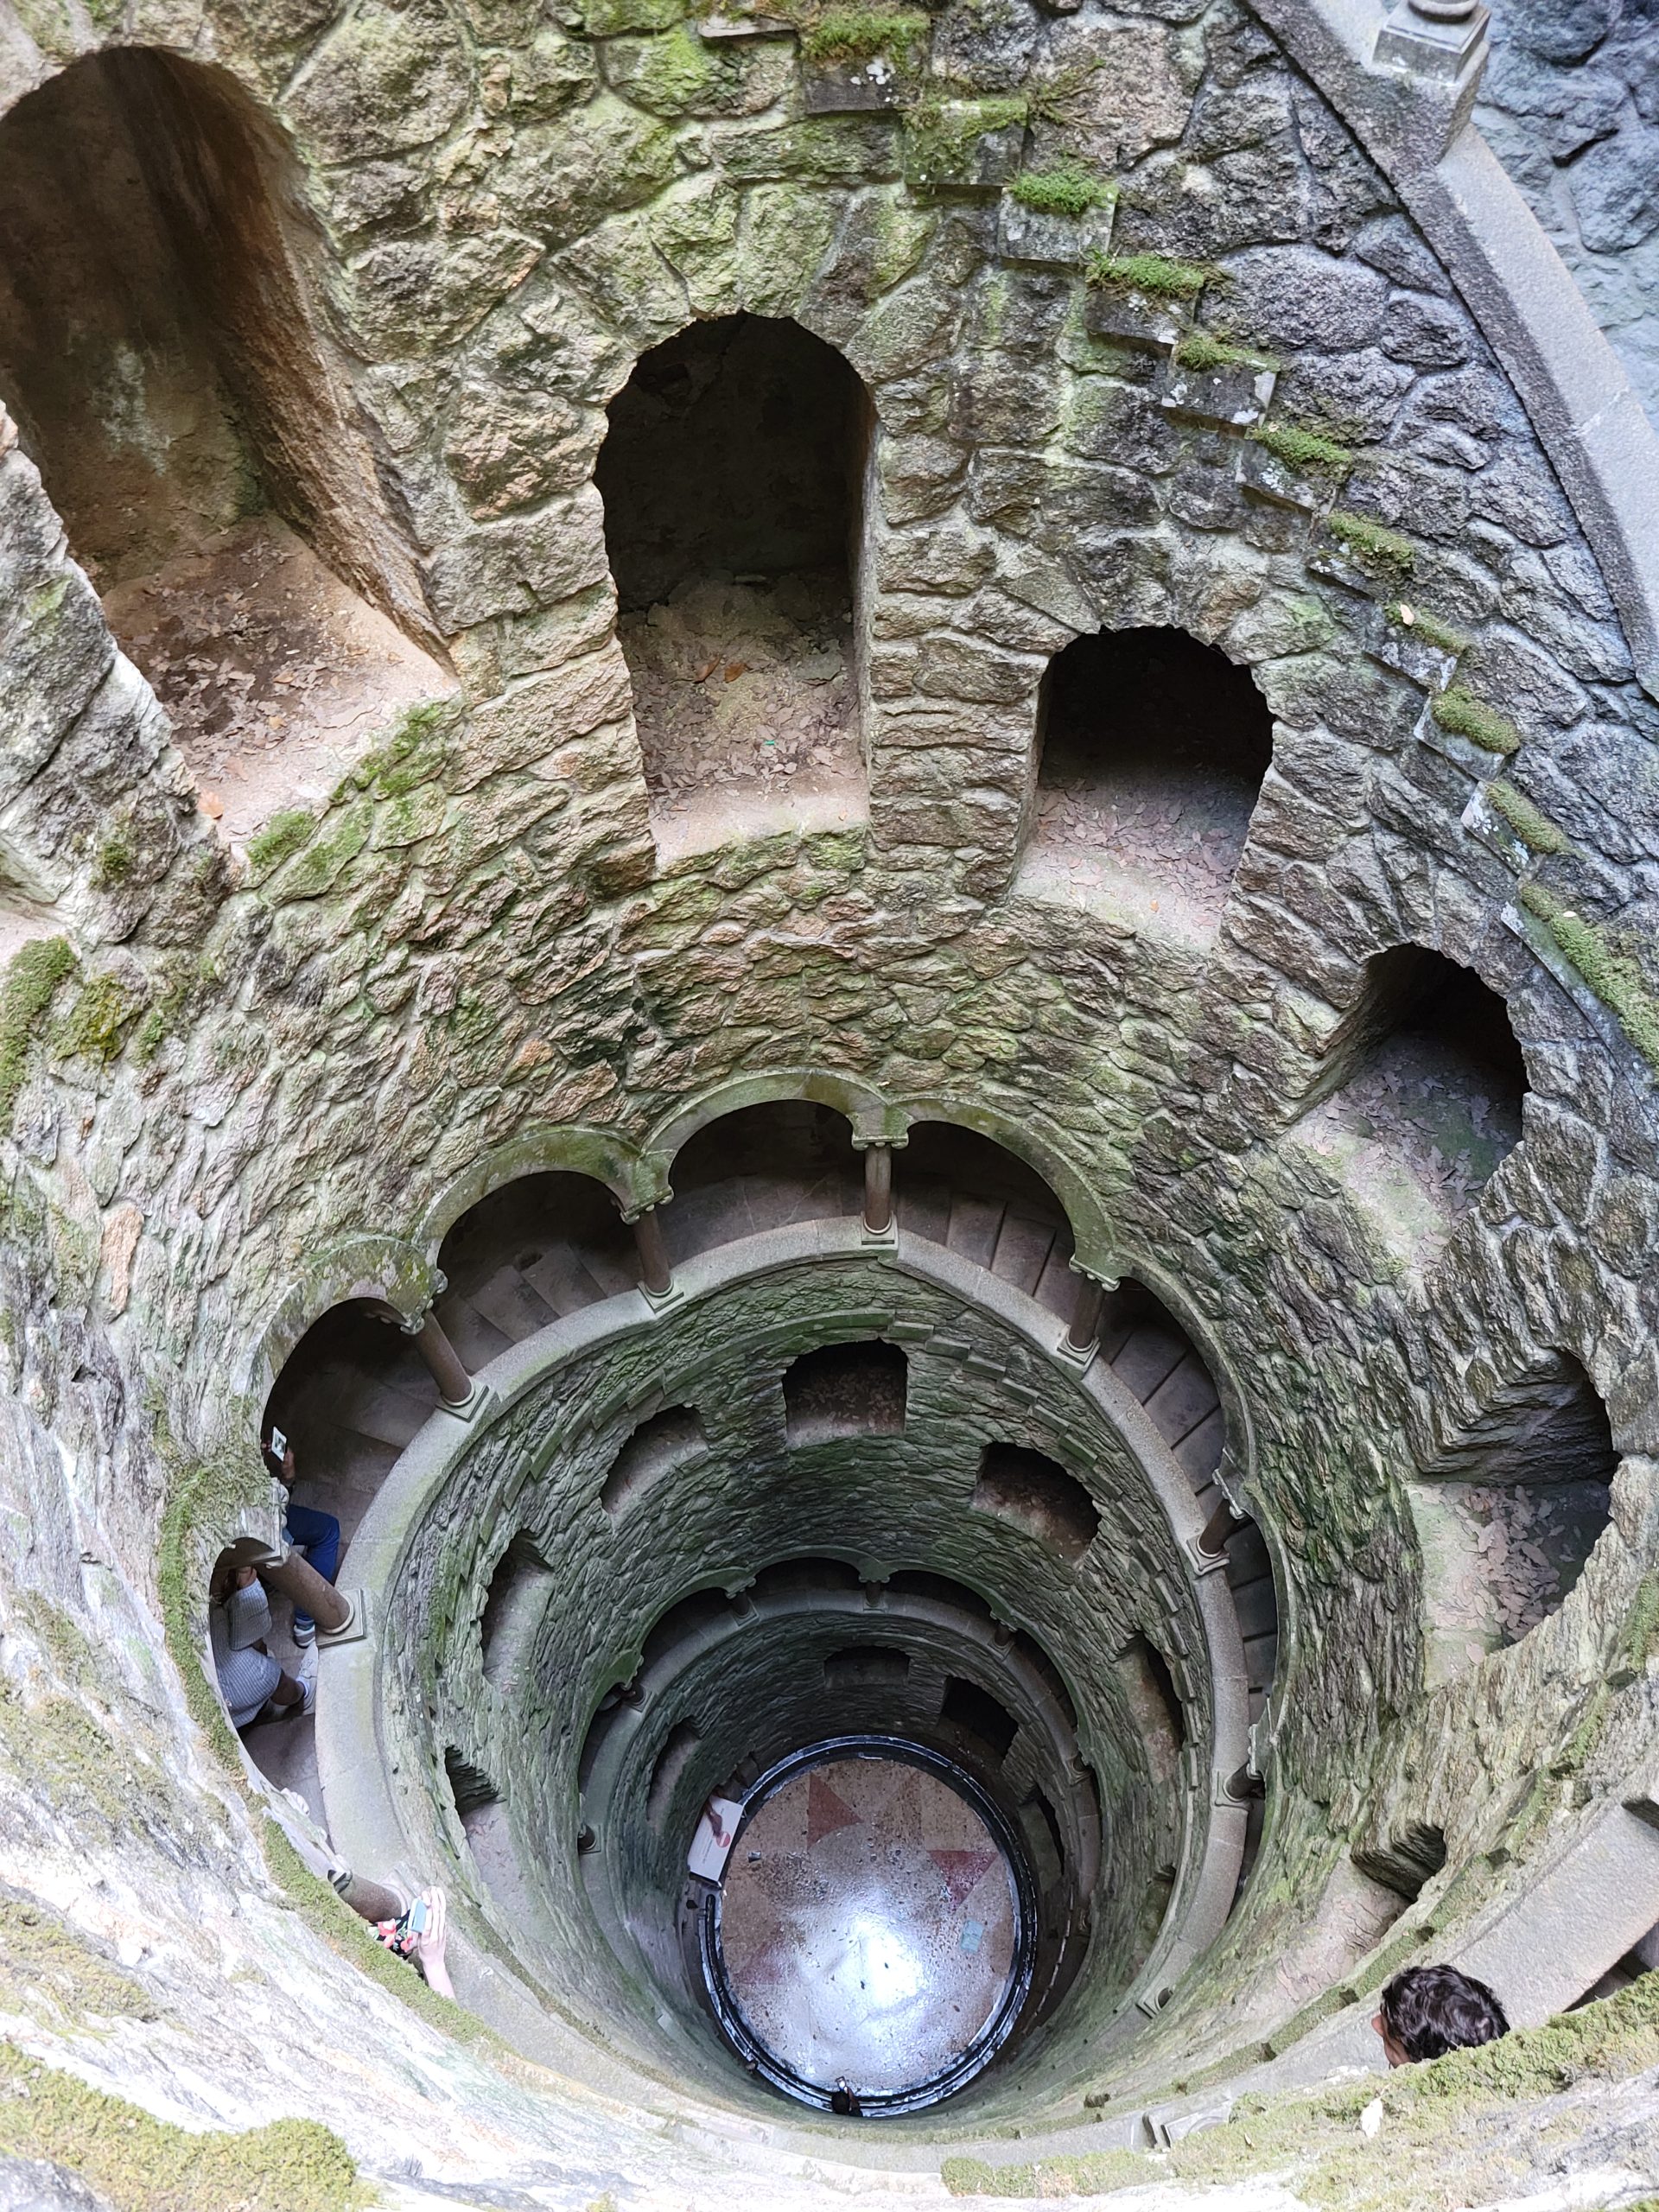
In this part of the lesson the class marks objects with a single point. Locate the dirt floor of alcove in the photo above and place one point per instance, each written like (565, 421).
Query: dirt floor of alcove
(746, 705)
(275, 675)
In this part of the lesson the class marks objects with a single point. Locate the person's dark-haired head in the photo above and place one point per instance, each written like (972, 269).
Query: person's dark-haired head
(1427, 2010)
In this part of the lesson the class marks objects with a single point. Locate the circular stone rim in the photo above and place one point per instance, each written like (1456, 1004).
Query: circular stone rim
(977, 2055)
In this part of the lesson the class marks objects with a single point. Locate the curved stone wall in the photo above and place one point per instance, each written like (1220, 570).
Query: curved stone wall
(1242, 394)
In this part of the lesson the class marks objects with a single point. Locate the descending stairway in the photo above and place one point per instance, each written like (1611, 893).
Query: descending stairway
(356, 1390)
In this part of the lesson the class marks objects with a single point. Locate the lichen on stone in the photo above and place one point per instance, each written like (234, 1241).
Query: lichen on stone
(1457, 711)
(31, 979)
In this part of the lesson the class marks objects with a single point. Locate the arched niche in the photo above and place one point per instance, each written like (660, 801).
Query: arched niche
(1151, 749)
(761, 1167)
(1509, 1511)
(733, 475)
(1423, 1090)
(350, 1395)
(526, 1255)
(171, 380)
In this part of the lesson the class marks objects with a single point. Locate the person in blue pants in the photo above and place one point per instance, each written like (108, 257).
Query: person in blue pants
(316, 1535)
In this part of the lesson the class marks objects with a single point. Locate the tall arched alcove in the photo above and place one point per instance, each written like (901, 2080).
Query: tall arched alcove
(1151, 750)
(171, 379)
(733, 477)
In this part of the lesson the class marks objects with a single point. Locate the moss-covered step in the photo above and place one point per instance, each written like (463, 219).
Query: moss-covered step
(1210, 381)
(1058, 218)
(862, 60)
(1141, 299)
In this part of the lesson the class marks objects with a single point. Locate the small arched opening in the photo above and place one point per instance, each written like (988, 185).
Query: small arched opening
(170, 380)
(733, 479)
(762, 1167)
(970, 1194)
(531, 1252)
(1508, 1513)
(1151, 750)
(841, 1391)
(1425, 1088)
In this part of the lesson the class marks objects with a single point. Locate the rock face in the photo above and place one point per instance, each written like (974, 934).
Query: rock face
(406, 1048)
(1570, 103)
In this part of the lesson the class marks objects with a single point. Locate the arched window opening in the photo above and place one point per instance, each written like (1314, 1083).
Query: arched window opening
(1423, 1091)
(523, 1257)
(1406, 1860)
(762, 1167)
(1509, 1513)
(787, 1578)
(972, 1195)
(171, 382)
(1150, 1352)
(676, 1754)
(1036, 1494)
(469, 1786)
(732, 476)
(843, 1390)
(352, 1394)
(517, 1598)
(1152, 748)
(1155, 1704)
(668, 1439)
(976, 1714)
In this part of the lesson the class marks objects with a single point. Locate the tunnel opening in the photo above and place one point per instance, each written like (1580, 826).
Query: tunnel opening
(732, 475)
(1423, 1092)
(979, 1716)
(531, 1252)
(845, 1390)
(1508, 1514)
(517, 1597)
(158, 348)
(1151, 750)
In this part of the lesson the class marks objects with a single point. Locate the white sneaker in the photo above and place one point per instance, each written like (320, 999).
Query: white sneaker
(306, 1674)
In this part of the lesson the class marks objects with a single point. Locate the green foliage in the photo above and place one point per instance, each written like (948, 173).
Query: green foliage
(114, 860)
(1459, 711)
(1371, 545)
(1535, 830)
(32, 977)
(849, 35)
(1152, 273)
(92, 1028)
(1304, 450)
(284, 834)
(144, 2164)
(1611, 974)
(1067, 189)
(1428, 628)
(1202, 349)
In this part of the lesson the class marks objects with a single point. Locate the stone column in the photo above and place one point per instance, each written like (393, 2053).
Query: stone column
(456, 1388)
(1085, 1314)
(878, 1188)
(1224, 1523)
(297, 1579)
(655, 1276)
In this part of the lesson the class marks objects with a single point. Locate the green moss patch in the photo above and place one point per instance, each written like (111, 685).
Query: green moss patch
(46, 1966)
(32, 977)
(1201, 350)
(114, 860)
(1533, 828)
(1383, 551)
(1459, 711)
(941, 137)
(92, 1029)
(1429, 627)
(144, 2164)
(1151, 273)
(282, 834)
(844, 35)
(1306, 451)
(1611, 974)
(1067, 189)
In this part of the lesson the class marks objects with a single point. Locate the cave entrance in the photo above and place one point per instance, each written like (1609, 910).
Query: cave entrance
(732, 479)
(168, 379)
(1152, 748)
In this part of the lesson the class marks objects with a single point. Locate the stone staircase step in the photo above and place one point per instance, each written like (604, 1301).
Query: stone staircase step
(1184, 1400)
(1149, 1354)
(508, 1303)
(974, 1226)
